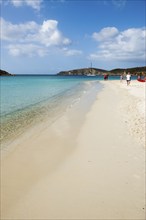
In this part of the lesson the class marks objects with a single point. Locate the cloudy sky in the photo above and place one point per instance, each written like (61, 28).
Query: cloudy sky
(48, 36)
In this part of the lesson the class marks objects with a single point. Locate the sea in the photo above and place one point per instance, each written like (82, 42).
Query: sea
(30, 100)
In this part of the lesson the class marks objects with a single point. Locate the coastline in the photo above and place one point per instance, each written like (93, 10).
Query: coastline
(20, 116)
(89, 170)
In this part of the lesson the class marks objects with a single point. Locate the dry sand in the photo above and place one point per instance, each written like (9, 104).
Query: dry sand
(93, 171)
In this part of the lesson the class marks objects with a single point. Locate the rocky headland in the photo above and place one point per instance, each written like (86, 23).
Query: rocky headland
(5, 73)
(97, 72)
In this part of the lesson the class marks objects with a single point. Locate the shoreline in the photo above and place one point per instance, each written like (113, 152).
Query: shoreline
(89, 170)
(20, 123)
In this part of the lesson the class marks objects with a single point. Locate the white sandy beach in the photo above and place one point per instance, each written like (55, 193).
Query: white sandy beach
(89, 170)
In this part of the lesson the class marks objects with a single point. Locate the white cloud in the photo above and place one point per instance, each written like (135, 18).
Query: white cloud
(17, 32)
(105, 34)
(17, 3)
(119, 3)
(26, 49)
(127, 45)
(35, 4)
(71, 52)
(46, 35)
(116, 3)
(49, 34)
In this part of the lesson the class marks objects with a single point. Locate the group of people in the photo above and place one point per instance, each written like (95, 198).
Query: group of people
(128, 78)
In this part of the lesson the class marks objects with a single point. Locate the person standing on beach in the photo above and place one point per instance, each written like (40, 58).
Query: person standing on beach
(128, 78)
(121, 78)
(106, 77)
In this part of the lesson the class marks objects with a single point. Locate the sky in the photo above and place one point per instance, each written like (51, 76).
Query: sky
(49, 36)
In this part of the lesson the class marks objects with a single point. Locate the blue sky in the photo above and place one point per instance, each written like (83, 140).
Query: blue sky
(48, 36)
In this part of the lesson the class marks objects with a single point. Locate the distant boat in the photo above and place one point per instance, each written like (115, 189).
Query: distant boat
(90, 74)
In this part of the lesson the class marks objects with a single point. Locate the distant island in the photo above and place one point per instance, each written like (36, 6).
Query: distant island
(5, 73)
(92, 72)
(98, 72)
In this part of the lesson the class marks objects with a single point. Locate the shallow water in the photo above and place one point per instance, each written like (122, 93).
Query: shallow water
(30, 100)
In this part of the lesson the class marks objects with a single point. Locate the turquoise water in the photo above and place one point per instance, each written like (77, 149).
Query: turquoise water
(20, 92)
(28, 100)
